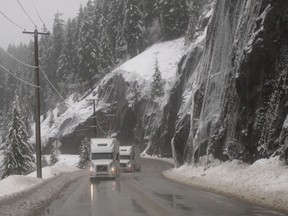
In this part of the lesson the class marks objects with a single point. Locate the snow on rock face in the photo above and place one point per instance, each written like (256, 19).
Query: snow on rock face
(235, 92)
(168, 54)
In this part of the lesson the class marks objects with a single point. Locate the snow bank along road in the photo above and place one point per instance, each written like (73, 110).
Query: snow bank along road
(32, 202)
(264, 182)
(135, 194)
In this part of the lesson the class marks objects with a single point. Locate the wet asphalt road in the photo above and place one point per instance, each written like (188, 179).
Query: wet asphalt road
(146, 193)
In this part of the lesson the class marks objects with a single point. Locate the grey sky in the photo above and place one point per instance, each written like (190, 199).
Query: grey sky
(11, 34)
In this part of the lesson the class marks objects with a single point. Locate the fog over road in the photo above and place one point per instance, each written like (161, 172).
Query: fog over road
(146, 193)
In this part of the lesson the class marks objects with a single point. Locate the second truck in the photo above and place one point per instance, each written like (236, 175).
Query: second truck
(130, 158)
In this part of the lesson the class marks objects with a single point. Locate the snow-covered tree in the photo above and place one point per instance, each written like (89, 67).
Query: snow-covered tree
(88, 47)
(58, 44)
(18, 156)
(106, 58)
(44, 161)
(157, 83)
(174, 14)
(121, 45)
(114, 18)
(194, 14)
(84, 156)
(134, 27)
(51, 118)
(53, 157)
(66, 67)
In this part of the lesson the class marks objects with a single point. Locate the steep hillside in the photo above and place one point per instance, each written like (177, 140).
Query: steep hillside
(123, 102)
(225, 94)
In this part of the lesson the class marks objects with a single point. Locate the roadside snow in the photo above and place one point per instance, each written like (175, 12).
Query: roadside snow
(28, 195)
(264, 182)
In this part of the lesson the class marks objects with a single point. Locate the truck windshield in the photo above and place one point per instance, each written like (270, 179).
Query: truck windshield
(125, 157)
(97, 156)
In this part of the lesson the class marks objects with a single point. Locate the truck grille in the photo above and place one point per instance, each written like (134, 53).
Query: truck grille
(102, 168)
(122, 164)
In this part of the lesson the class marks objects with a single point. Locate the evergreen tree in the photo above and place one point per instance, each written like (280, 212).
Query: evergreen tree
(106, 59)
(84, 156)
(44, 161)
(114, 19)
(134, 27)
(149, 12)
(76, 25)
(194, 14)
(51, 119)
(46, 60)
(53, 157)
(58, 45)
(50, 49)
(18, 157)
(88, 47)
(66, 69)
(157, 83)
(121, 45)
(174, 14)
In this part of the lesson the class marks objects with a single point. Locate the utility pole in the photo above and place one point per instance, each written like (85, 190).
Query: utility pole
(94, 114)
(37, 101)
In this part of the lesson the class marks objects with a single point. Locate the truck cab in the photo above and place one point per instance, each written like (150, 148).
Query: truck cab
(129, 158)
(104, 158)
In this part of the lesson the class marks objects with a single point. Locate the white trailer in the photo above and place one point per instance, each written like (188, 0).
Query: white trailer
(130, 158)
(104, 157)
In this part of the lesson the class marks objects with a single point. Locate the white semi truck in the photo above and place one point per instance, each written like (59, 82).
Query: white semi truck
(104, 158)
(130, 158)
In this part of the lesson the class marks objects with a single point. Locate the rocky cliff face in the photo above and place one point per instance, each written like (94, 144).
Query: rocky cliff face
(234, 87)
(230, 96)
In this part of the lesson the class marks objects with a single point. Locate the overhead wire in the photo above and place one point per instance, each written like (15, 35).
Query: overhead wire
(63, 99)
(19, 61)
(38, 14)
(26, 13)
(11, 21)
(31, 66)
(102, 130)
(18, 78)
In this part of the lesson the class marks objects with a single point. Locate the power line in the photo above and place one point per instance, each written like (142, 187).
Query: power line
(53, 86)
(11, 20)
(21, 62)
(30, 84)
(26, 13)
(38, 14)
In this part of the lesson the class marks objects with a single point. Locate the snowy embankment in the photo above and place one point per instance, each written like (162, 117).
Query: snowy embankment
(28, 195)
(265, 182)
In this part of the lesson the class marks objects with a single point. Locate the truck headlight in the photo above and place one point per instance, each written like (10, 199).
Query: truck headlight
(113, 169)
(91, 170)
